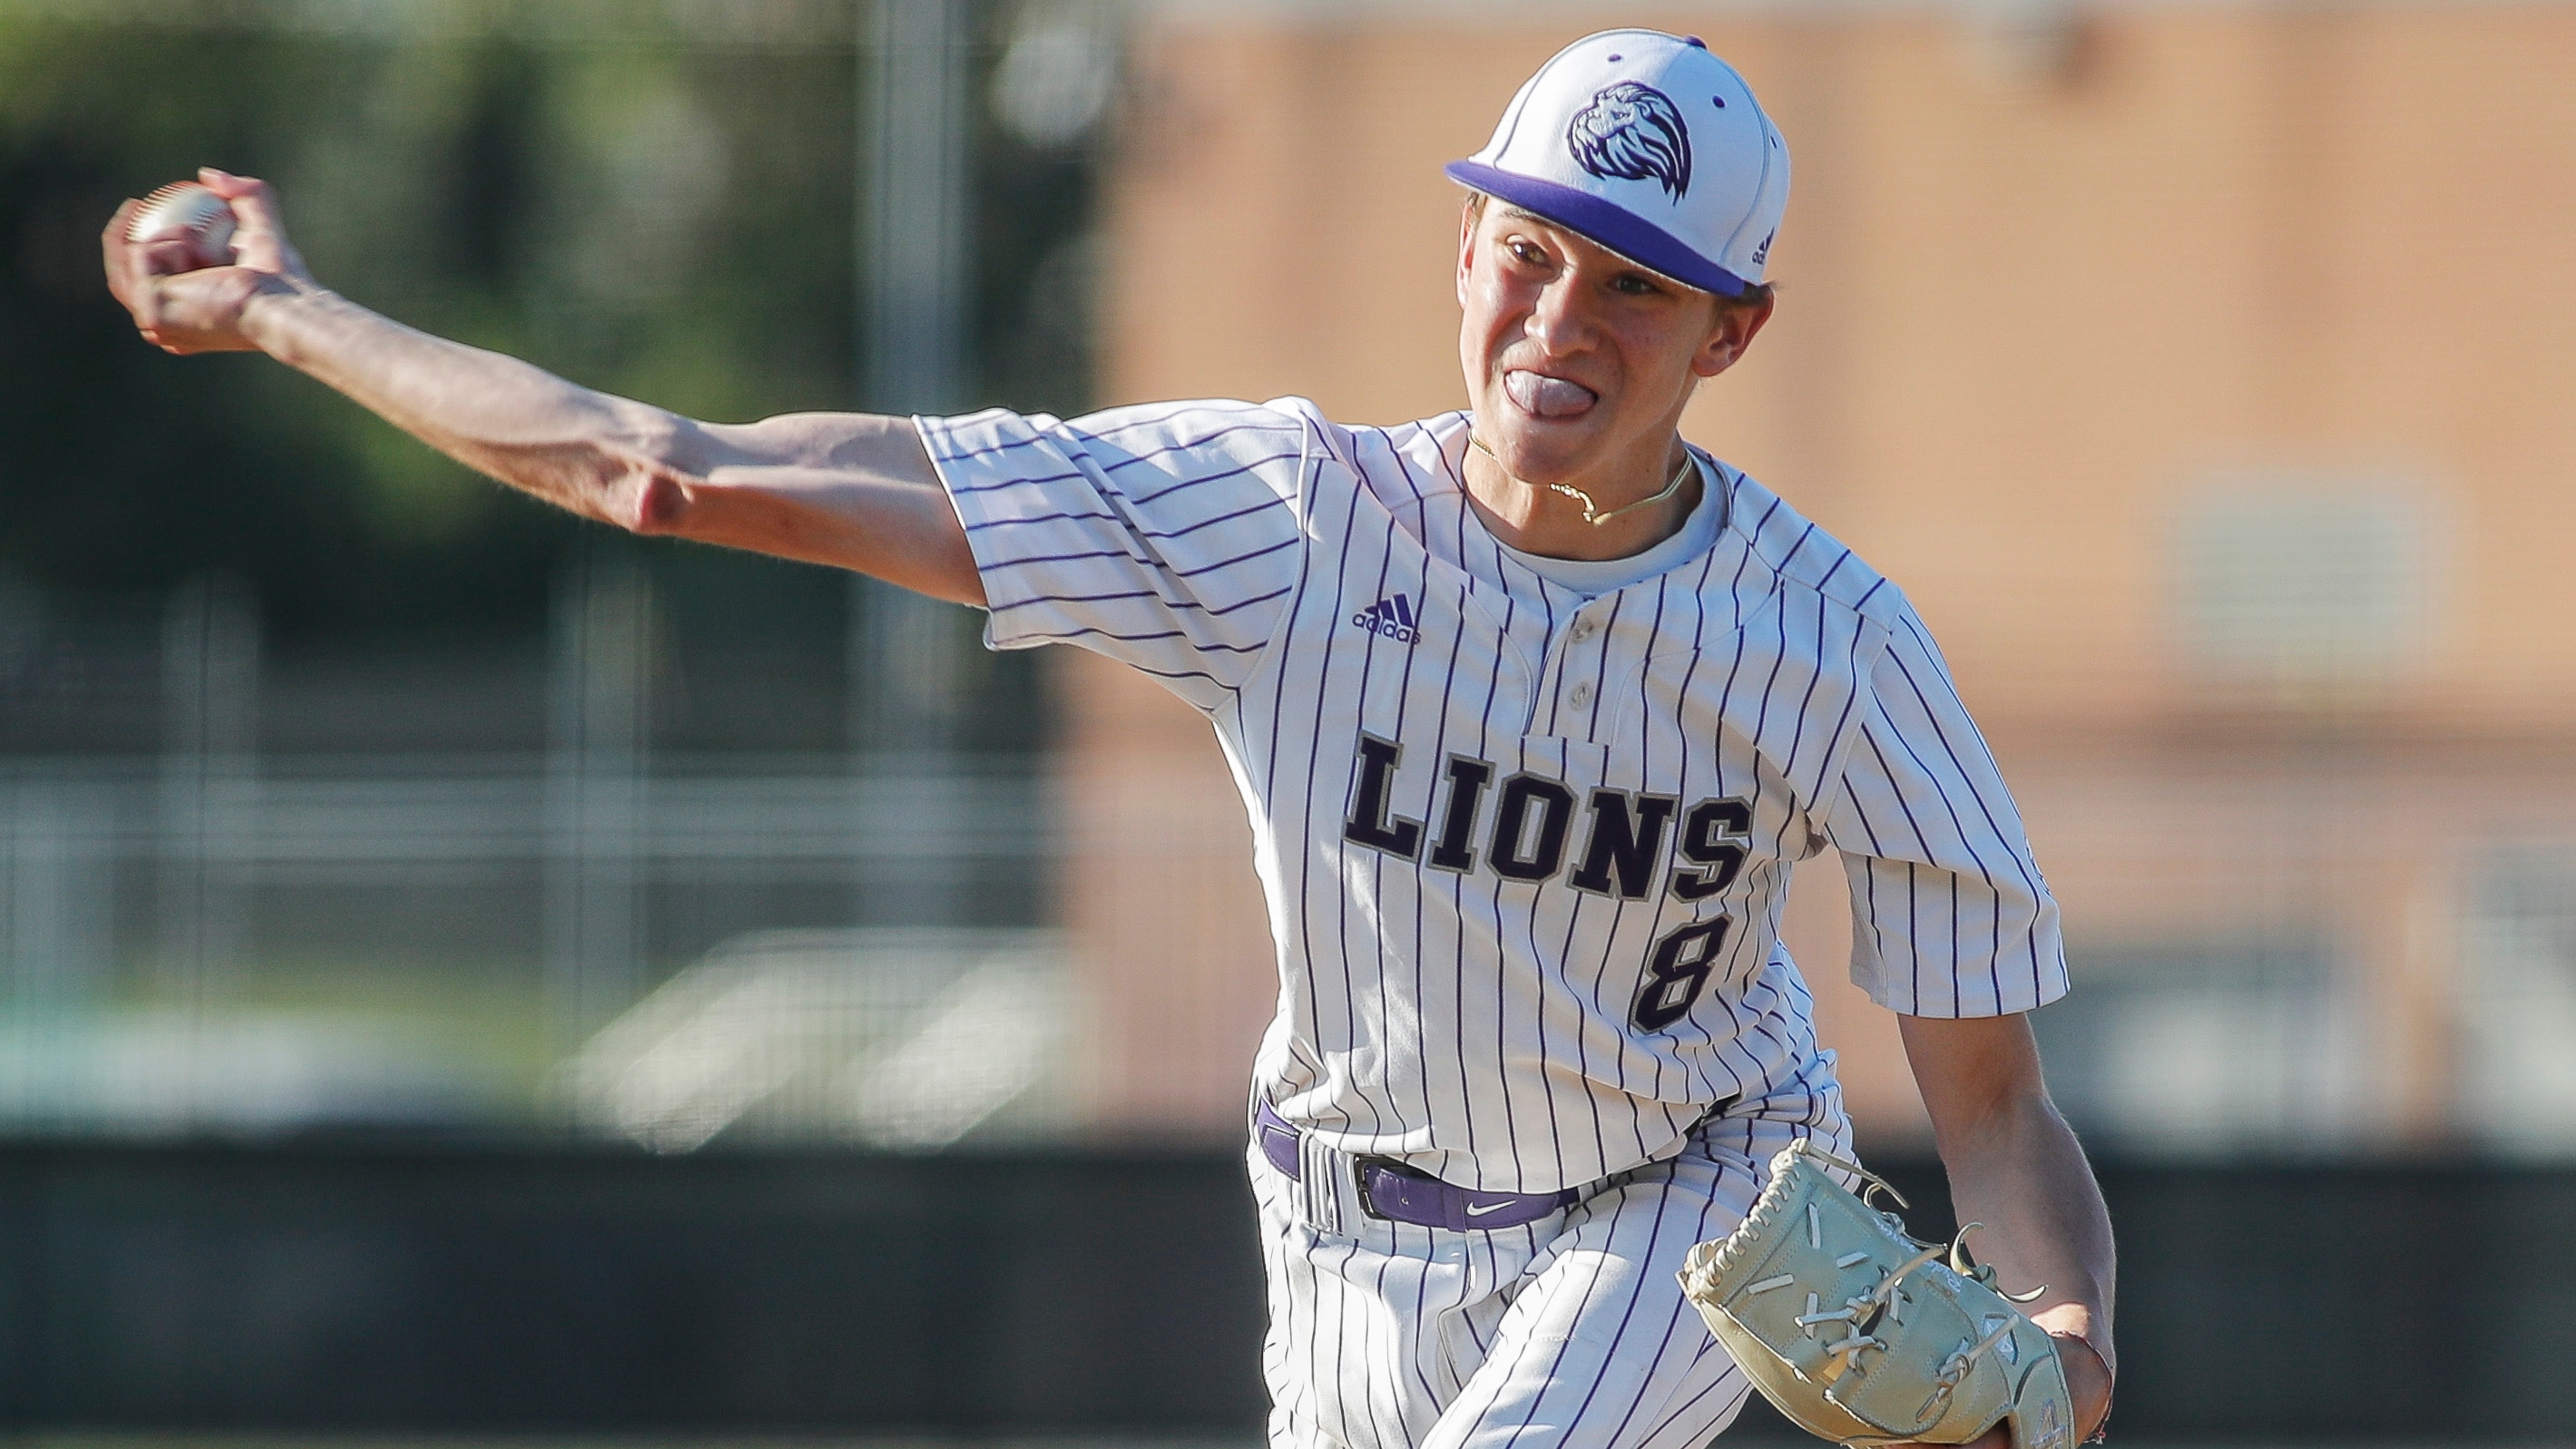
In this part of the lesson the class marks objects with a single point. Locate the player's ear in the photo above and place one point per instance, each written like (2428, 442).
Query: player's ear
(1737, 325)
(1468, 216)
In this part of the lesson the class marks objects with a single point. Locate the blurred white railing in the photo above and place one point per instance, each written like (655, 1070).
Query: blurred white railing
(143, 985)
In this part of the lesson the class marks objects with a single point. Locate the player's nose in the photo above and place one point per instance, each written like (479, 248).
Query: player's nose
(1559, 319)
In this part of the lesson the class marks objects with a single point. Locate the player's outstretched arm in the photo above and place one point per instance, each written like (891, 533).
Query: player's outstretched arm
(2015, 1166)
(850, 490)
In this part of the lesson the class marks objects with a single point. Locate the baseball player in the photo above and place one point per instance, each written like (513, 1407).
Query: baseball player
(1533, 705)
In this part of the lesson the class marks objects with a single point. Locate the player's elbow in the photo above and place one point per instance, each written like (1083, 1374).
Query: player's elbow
(643, 487)
(650, 501)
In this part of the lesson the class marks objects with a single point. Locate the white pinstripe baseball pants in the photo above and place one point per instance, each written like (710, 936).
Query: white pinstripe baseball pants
(1568, 1333)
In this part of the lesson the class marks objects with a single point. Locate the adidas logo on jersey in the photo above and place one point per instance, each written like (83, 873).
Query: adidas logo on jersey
(1392, 618)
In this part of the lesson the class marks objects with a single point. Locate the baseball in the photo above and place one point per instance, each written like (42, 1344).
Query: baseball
(186, 211)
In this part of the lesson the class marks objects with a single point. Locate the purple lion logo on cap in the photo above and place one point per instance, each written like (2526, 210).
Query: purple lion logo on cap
(1633, 132)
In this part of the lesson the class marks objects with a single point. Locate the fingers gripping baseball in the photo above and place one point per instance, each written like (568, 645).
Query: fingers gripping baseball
(259, 236)
(188, 264)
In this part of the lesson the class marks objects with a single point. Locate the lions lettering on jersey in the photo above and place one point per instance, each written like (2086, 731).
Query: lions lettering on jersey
(1533, 818)
(1525, 848)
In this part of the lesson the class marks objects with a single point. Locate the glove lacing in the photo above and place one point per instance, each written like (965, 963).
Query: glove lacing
(1861, 1309)
(1866, 1305)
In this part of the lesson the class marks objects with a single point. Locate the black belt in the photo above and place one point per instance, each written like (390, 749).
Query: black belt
(1397, 1193)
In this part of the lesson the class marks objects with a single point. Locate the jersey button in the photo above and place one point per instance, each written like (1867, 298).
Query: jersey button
(1582, 630)
(1581, 696)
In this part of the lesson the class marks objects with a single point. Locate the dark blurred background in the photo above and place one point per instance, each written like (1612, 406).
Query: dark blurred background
(469, 973)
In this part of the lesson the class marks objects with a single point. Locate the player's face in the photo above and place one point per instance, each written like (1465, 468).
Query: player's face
(1579, 361)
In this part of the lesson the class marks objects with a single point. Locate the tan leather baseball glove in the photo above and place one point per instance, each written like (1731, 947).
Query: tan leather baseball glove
(1861, 1334)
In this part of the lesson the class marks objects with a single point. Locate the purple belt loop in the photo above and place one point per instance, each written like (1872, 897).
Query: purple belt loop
(1278, 1139)
(1397, 1193)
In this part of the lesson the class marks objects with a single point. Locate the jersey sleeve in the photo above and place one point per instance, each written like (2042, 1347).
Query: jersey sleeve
(1950, 916)
(1166, 537)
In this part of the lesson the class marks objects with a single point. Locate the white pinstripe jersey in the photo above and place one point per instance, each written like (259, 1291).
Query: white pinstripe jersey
(1525, 852)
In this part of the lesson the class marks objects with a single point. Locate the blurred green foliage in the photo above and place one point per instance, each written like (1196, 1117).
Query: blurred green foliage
(637, 205)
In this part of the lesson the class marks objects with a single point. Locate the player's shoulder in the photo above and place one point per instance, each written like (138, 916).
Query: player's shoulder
(1200, 435)
(1370, 447)
(1803, 557)
(1178, 430)
(1195, 422)
(1400, 465)
(1199, 452)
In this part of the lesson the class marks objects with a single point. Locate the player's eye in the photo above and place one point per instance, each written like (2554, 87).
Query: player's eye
(1634, 284)
(1525, 252)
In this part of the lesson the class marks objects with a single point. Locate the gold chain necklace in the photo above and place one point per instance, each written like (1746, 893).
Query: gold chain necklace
(1592, 513)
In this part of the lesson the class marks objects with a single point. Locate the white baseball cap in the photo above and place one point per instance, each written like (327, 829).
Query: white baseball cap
(1649, 145)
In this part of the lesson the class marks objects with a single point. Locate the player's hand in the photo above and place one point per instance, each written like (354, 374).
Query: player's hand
(180, 304)
(2088, 1380)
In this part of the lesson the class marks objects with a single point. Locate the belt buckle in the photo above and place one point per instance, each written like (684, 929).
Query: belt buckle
(1361, 1165)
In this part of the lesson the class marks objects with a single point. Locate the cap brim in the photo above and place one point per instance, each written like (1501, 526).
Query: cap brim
(1603, 222)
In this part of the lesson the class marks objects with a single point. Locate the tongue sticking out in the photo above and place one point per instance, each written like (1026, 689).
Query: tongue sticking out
(1547, 397)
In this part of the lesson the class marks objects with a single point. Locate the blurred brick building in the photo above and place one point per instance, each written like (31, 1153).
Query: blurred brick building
(2201, 371)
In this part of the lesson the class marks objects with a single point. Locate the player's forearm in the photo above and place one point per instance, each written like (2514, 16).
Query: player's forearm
(599, 456)
(2019, 1170)
(2016, 1167)
(848, 490)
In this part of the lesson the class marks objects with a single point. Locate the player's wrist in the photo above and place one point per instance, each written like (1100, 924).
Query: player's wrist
(2093, 1408)
(2084, 1324)
(279, 315)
